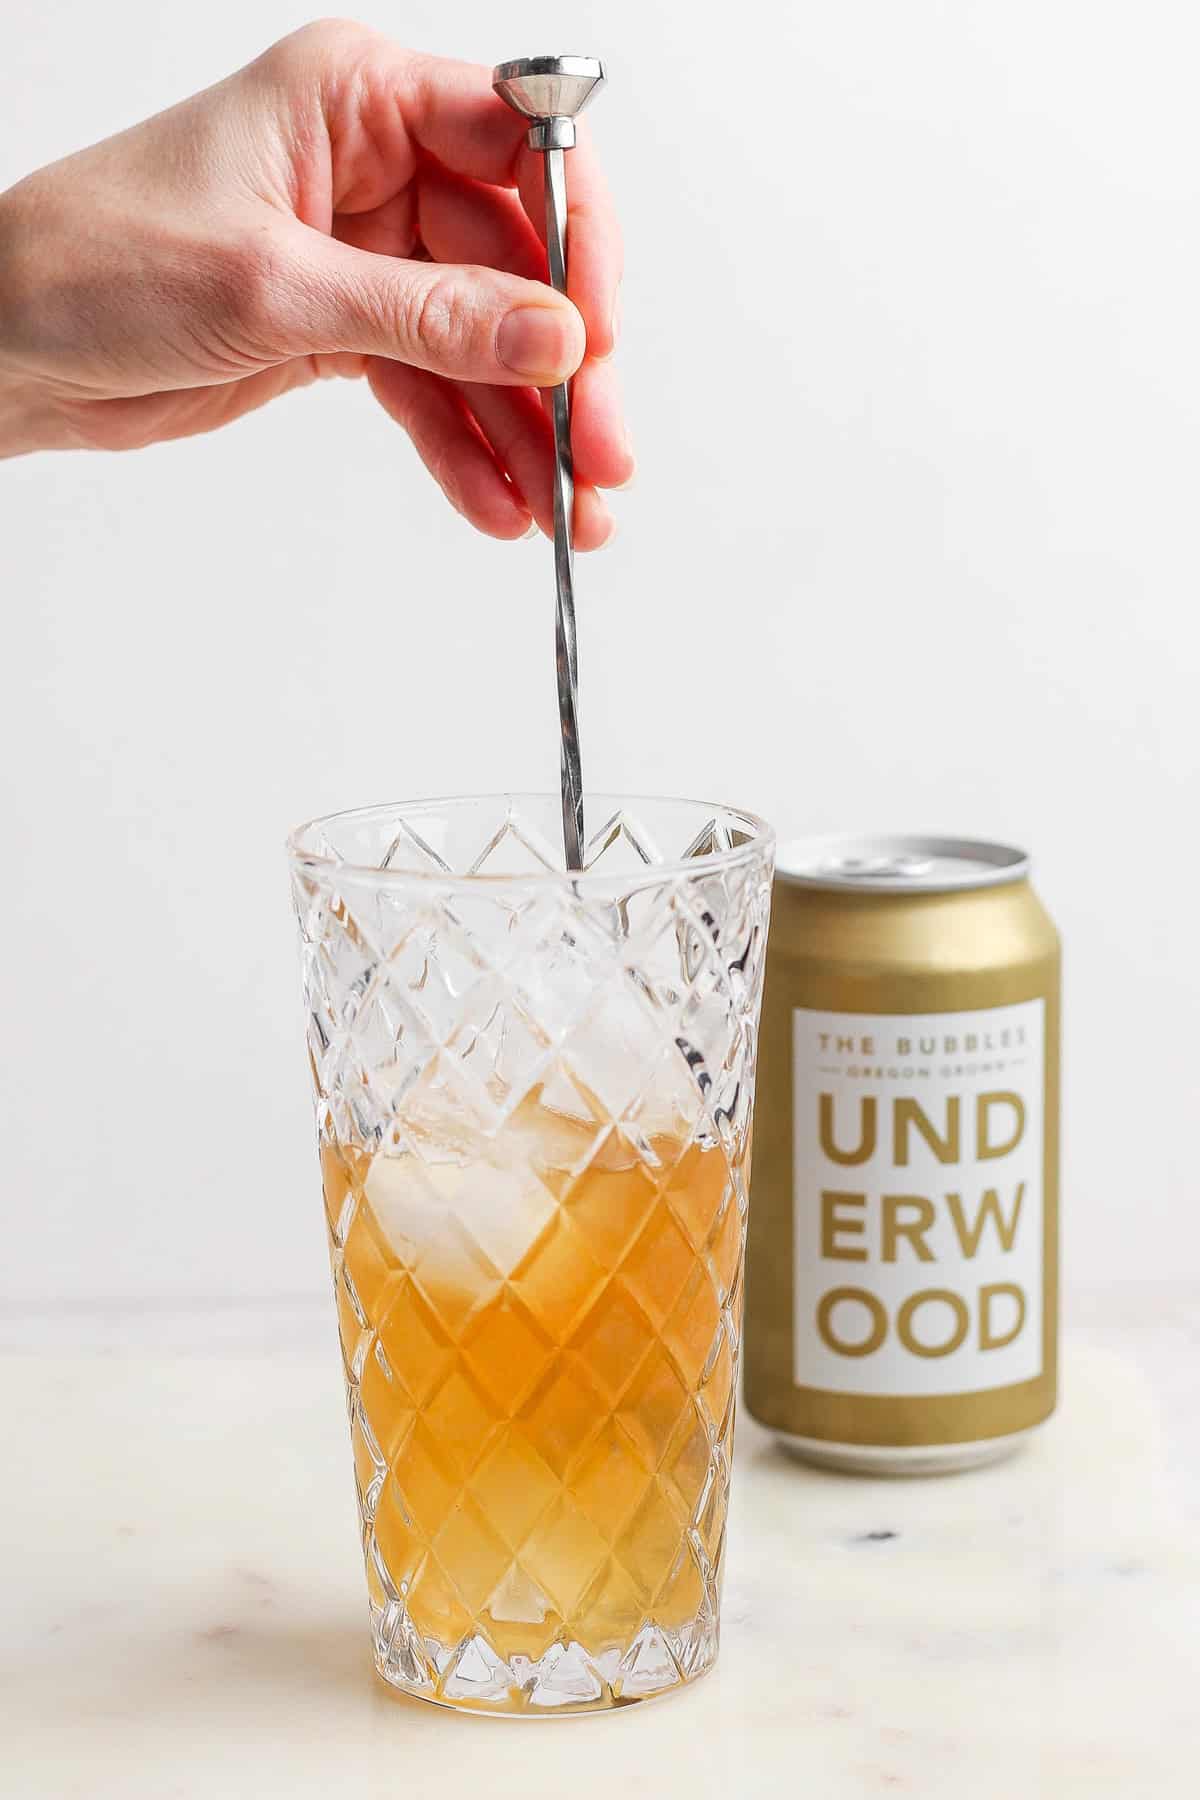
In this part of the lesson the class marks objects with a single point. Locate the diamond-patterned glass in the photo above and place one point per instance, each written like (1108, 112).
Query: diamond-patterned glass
(534, 1097)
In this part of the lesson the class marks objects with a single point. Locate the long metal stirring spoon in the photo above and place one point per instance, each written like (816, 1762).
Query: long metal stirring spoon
(551, 91)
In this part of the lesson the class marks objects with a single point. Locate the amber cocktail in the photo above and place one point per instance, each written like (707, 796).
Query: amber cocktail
(534, 1096)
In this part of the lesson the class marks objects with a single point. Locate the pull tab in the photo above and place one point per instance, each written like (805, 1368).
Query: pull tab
(880, 868)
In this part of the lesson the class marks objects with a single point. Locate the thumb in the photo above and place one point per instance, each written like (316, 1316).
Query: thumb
(467, 323)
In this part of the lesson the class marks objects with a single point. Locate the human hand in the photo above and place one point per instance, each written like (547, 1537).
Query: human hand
(338, 207)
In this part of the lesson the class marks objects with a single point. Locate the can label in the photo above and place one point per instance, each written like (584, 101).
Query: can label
(918, 1200)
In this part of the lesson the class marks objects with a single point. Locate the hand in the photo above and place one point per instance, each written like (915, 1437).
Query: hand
(339, 207)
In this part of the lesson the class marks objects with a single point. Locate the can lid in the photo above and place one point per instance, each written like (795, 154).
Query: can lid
(899, 865)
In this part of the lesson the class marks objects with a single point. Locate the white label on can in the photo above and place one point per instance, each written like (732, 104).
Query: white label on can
(918, 1199)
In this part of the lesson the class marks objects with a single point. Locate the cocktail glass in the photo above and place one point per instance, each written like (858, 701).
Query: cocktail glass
(534, 1093)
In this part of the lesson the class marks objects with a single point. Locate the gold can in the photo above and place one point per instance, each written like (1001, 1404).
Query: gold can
(902, 1266)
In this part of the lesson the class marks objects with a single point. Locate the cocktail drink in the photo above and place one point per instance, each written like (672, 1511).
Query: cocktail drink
(534, 1099)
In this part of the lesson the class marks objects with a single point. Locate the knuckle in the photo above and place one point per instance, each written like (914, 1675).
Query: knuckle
(440, 464)
(441, 321)
(317, 42)
(252, 282)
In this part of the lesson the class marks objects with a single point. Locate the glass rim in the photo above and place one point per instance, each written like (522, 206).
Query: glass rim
(760, 841)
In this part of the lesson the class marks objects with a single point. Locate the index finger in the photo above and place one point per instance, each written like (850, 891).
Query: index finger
(448, 110)
(458, 118)
(454, 114)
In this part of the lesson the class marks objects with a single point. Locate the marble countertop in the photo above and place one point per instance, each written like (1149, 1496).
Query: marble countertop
(185, 1612)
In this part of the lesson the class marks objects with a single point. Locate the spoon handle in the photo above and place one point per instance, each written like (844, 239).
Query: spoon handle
(565, 653)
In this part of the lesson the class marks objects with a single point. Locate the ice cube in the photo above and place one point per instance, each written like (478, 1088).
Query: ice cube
(456, 1182)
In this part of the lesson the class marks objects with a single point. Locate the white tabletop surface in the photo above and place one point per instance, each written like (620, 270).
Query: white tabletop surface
(184, 1612)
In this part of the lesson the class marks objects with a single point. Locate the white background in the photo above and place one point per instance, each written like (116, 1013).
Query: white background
(910, 348)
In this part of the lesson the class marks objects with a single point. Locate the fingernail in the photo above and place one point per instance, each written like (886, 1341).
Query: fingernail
(619, 487)
(531, 533)
(612, 532)
(538, 343)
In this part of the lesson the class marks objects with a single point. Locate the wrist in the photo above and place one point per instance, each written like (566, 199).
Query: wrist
(28, 419)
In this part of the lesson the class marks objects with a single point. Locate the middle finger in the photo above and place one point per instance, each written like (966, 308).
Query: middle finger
(515, 424)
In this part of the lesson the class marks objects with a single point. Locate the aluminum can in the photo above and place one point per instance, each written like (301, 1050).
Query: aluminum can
(902, 1272)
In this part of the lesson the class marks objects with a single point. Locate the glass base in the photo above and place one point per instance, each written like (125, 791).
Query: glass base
(471, 1677)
